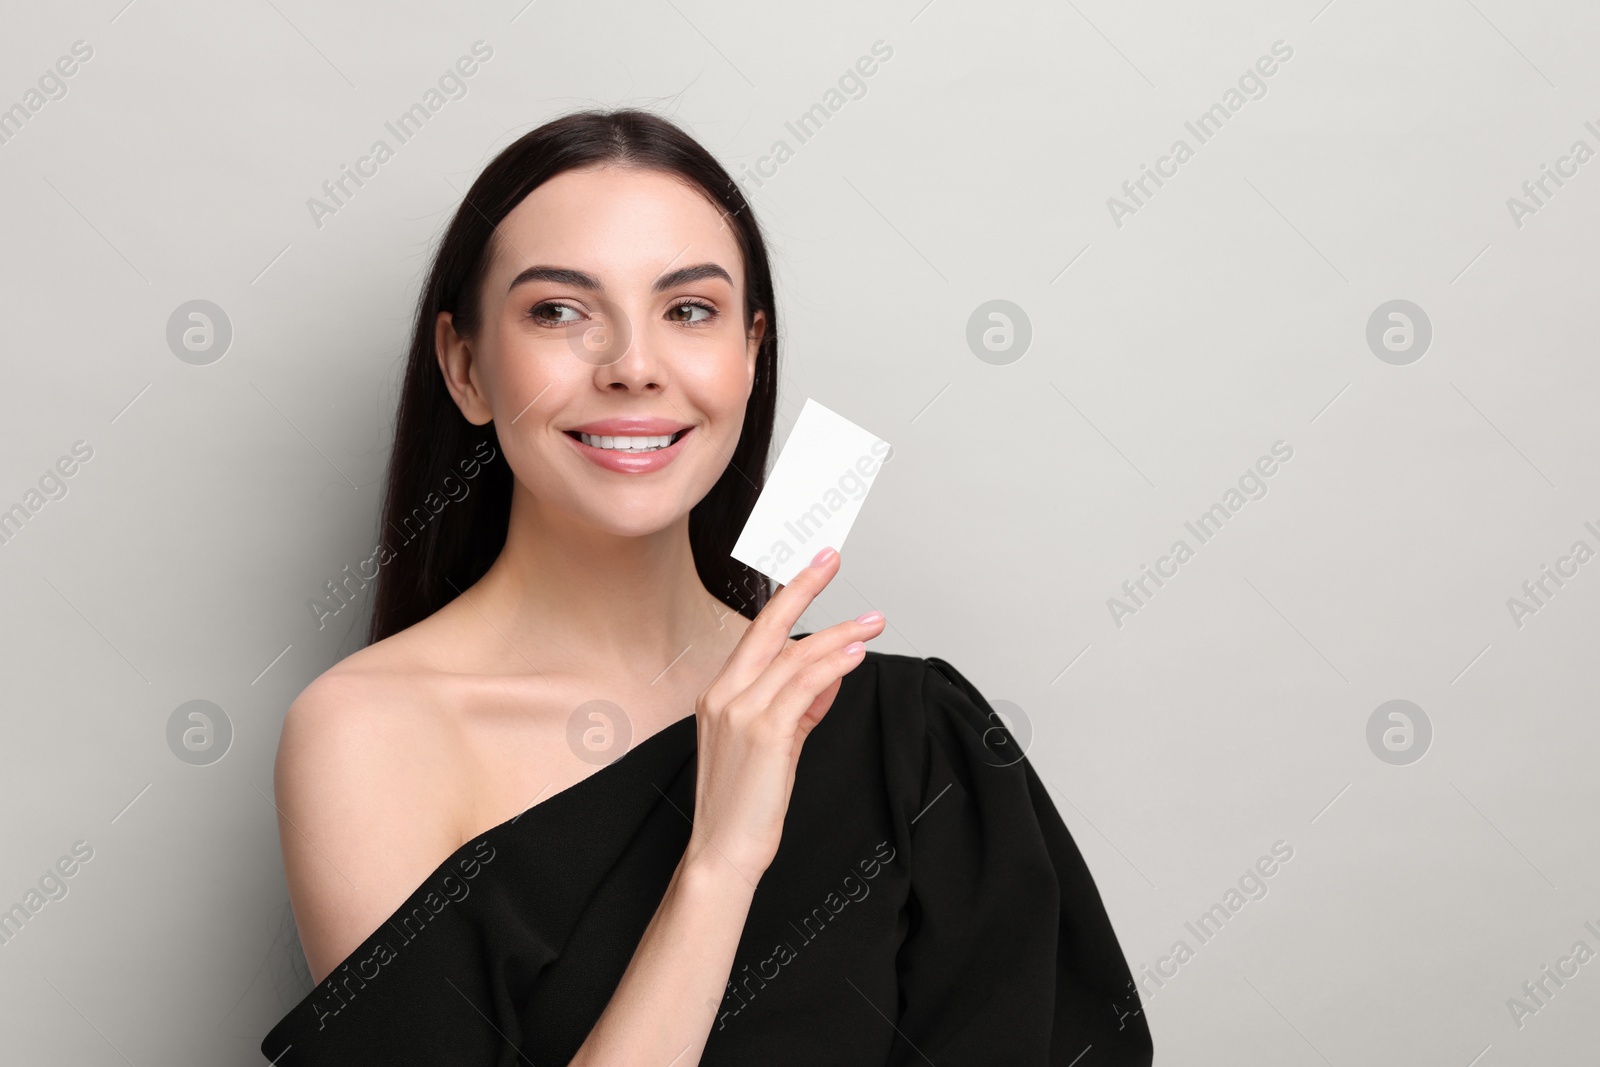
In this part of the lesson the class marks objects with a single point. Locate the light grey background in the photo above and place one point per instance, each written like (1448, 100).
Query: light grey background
(1167, 354)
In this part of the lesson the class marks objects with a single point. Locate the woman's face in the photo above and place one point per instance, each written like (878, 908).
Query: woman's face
(612, 355)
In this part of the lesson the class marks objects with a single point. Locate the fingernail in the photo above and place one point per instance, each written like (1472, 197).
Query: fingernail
(855, 648)
(871, 616)
(822, 557)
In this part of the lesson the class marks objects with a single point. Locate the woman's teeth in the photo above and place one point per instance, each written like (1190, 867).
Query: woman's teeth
(627, 444)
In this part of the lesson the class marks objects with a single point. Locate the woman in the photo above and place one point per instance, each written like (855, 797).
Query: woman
(584, 799)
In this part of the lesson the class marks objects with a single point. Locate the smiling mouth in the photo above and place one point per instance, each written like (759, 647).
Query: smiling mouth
(628, 444)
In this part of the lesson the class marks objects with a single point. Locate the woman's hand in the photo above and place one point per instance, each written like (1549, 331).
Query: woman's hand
(755, 715)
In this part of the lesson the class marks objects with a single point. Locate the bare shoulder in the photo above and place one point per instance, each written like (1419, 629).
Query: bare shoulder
(368, 715)
(363, 783)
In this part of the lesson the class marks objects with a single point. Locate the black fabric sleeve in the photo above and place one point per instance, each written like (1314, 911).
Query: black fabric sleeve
(422, 989)
(1010, 958)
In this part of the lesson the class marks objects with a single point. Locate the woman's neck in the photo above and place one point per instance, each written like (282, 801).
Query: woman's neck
(604, 601)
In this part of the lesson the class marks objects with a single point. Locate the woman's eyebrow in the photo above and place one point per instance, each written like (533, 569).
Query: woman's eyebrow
(580, 280)
(698, 273)
(559, 275)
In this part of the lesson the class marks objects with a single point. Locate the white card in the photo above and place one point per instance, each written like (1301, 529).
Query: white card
(813, 495)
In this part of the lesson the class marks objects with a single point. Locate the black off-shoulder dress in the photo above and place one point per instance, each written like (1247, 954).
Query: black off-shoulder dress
(927, 905)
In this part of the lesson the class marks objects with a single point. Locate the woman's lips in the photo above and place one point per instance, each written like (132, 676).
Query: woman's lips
(629, 462)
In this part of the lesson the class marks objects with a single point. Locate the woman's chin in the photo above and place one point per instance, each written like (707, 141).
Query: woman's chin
(636, 518)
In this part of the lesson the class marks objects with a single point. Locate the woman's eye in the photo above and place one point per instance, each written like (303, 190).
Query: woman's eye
(689, 311)
(553, 314)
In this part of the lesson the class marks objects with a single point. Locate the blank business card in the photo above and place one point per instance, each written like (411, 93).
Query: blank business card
(813, 495)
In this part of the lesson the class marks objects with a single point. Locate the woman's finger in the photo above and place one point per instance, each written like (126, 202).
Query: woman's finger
(800, 694)
(768, 633)
(763, 689)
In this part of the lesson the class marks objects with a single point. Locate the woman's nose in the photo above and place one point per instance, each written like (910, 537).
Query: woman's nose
(626, 355)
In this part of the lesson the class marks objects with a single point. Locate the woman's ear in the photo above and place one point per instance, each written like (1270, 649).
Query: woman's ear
(459, 365)
(758, 330)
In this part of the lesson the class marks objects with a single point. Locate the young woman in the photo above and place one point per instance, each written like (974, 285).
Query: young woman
(584, 799)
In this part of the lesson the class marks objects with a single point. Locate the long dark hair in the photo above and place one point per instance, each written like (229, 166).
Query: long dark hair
(441, 543)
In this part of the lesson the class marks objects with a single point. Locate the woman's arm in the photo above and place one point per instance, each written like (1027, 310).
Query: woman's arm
(361, 767)
(664, 1006)
(751, 722)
